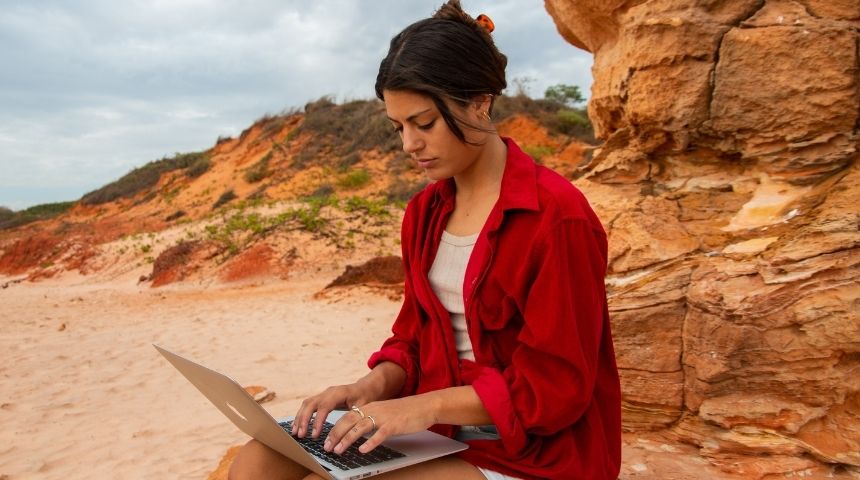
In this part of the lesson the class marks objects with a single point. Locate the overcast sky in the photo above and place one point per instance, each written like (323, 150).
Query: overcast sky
(90, 89)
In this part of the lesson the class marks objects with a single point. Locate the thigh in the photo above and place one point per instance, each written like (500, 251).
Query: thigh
(257, 461)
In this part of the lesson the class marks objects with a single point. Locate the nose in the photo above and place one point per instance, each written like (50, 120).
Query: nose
(412, 142)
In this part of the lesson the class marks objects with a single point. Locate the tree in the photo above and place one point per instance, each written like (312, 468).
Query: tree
(567, 95)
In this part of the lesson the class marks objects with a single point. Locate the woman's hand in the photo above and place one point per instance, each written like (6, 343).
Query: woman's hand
(320, 405)
(382, 382)
(382, 419)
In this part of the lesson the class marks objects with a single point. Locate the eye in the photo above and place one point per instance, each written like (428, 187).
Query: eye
(427, 126)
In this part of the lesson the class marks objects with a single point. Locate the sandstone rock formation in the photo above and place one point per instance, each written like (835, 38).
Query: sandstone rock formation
(729, 184)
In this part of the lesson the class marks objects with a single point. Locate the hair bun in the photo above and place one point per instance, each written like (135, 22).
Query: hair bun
(452, 10)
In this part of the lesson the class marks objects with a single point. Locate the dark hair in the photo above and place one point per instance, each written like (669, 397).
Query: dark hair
(448, 56)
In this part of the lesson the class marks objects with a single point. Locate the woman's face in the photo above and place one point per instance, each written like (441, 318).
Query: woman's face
(426, 137)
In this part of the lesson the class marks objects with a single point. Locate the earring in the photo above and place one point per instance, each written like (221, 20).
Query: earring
(487, 115)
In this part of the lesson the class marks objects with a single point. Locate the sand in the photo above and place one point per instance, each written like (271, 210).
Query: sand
(85, 395)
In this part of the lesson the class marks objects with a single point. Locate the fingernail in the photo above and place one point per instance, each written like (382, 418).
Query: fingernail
(316, 430)
(327, 445)
(339, 448)
(363, 448)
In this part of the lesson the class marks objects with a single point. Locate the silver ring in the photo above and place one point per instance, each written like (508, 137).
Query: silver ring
(358, 411)
(373, 421)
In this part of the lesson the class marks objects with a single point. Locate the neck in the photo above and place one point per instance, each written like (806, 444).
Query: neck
(485, 175)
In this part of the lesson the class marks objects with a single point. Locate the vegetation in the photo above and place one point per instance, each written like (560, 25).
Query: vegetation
(259, 170)
(354, 179)
(12, 219)
(557, 111)
(224, 198)
(346, 129)
(141, 178)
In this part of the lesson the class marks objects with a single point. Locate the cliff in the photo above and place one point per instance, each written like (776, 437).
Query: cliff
(729, 183)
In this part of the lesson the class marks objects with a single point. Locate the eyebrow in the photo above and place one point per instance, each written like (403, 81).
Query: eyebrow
(412, 117)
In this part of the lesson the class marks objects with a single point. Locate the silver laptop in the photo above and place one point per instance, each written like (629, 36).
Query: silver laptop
(251, 418)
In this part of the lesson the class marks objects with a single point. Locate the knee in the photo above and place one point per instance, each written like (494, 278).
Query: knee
(249, 462)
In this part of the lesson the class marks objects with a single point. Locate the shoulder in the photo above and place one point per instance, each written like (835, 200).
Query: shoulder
(560, 200)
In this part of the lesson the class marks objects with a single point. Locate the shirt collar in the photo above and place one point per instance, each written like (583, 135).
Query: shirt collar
(519, 181)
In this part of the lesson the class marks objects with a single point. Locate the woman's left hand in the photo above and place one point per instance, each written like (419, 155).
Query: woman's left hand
(391, 417)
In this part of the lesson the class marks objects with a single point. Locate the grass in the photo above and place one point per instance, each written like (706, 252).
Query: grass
(12, 219)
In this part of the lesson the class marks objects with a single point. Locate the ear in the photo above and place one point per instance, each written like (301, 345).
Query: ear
(482, 103)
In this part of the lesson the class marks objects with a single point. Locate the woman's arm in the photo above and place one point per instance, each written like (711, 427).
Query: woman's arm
(383, 382)
(453, 406)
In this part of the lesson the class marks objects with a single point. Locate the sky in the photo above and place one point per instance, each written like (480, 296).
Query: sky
(91, 89)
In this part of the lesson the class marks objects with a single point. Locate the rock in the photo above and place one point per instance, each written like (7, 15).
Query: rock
(379, 270)
(728, 183)
(260, 394)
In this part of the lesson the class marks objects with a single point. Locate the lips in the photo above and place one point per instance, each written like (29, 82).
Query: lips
(425, 162)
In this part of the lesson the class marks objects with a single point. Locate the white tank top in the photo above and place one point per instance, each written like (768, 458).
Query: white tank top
(446, 278)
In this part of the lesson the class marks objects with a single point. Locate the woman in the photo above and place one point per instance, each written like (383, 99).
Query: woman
(503, 339)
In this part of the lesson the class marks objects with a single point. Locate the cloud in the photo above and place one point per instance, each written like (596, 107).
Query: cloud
(100, 87)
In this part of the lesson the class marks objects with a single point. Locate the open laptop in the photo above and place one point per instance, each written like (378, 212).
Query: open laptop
(234, 402)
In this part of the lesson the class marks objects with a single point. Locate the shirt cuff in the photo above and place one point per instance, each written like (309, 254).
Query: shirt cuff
(493, 391)
(402, 359)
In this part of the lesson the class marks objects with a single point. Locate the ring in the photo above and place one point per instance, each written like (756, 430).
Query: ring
(372, 420)
(358, 411)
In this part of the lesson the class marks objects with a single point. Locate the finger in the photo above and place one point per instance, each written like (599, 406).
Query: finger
(374, 441)
(319, 420)
(347, 422)
(304, 416)
(354, 433)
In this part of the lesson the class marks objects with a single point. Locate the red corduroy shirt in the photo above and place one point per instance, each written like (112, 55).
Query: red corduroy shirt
(538, 320)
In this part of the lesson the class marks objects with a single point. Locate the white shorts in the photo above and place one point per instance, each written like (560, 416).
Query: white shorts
(483, 432)
(491, 475)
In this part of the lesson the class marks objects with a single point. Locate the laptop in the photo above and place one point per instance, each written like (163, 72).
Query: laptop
(235, 403)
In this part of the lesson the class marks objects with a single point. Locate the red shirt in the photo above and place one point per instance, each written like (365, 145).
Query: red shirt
(537, 316)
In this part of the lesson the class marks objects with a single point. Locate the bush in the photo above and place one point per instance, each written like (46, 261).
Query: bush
(348, 128)
(147, 176)
(11, 219)
(259, 170)
(224, 198)
(354, 179)
(199, 167)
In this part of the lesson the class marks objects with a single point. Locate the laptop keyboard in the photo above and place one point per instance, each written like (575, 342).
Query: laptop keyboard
(350, 458)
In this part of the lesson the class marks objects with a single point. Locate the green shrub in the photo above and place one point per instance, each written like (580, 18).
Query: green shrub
(354, 179)
(224, 198)
(259, 170)
(198, 167)
(371, 207)
(537, 152)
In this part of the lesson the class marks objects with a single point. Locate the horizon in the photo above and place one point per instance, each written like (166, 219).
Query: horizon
(100, 89)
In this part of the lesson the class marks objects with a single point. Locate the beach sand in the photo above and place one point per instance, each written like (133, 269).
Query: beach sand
(85, 395)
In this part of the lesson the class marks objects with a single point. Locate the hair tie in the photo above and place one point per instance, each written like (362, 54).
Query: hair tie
(485, 22)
